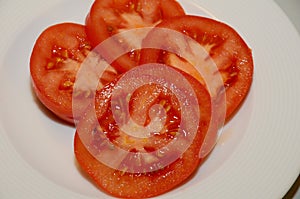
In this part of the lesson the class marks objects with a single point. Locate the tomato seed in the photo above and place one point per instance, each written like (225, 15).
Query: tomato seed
(76, 93)
(132, 6)
(123, 171)
(65, 54)
(172, 133)
(162, 102)
(128, 140)
(87, 93)
(195, 35)
(168, 108)
(110, 28)
(50, 65)
(233, 74)
(67, 84)
(58, 60)
(85, 51)
(160, 154)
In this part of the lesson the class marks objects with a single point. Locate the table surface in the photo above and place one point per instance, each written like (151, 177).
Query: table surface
(292, 10)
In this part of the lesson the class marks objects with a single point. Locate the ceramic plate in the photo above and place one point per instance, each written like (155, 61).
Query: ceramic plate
(257, 155)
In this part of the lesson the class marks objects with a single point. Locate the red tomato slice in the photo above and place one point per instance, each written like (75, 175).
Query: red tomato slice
(54, 62)
(104, 132)
(225, 46)
(108, 17)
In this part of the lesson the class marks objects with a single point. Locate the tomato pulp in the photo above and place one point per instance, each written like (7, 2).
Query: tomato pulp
(103, 136)
(56, 57)
(107, 18)
(223, 44)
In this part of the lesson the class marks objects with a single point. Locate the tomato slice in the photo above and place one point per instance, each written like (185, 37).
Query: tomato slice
(108, 17)
(223, 44)
(55, 60)
(101, 137)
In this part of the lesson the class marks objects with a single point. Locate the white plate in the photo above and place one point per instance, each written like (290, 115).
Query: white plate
(256, 157)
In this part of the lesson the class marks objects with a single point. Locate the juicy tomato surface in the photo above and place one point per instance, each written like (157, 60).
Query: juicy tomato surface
(108, 17)
(121, 182)
(223, 44)
(54, 62)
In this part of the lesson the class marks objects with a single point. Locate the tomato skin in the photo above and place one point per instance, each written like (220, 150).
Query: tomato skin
(61, 112)
(127, 185)
(97, 27)
(230, 53)
(105, 19)
(46, 83)
(143, 186)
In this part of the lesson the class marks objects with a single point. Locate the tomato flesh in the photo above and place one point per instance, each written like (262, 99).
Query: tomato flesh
(107, 18)
(54, 62)
(223, 44)
(122, 182)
